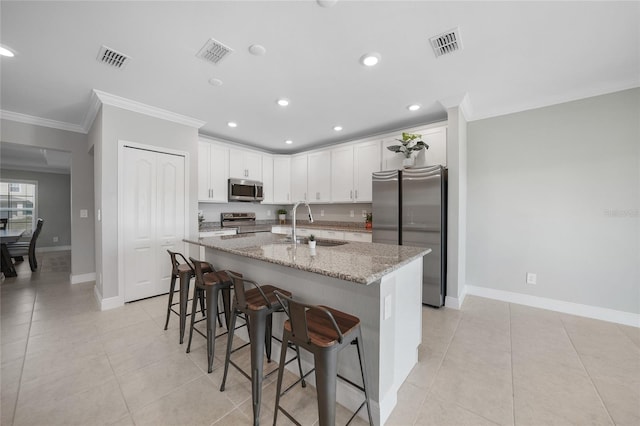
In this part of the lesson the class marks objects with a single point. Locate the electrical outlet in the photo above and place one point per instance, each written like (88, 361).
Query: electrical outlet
(387, 306)
(352, 213)
(364, 213)
(322, 213)
(531, 278)
(55, 239)
(84, 213)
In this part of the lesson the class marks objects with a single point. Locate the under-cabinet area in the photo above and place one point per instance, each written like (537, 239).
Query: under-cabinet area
(337, 174)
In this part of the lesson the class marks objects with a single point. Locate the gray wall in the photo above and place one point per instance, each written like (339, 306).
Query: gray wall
(114, 125)
(556, 191)
(53, 204)
(82, 229)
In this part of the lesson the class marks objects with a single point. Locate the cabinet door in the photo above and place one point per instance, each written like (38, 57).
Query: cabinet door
(437, 153)
(391, 160)
(267, 179)
(298, 178)
(245, 164)
(204, 167)
(319, 177)
(342, 161)
(236, 164)
(253, 165)
(366, 161)
(281, 180)
(219, 173)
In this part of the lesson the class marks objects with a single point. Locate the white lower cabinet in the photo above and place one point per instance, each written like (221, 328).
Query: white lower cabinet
(362, 237)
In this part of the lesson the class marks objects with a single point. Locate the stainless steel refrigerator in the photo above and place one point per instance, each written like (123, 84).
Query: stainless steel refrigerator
(410, 208)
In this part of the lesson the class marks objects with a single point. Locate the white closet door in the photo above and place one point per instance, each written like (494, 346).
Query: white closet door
(152, 220)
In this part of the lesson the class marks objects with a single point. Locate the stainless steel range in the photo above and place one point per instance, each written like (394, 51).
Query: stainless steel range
(245, 223)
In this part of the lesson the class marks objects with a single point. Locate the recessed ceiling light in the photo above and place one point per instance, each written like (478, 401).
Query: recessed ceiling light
(232, 124)
(257, 50)
(283, 102)
(414, 107)
(370, 59)
(215, 82)
(288, 141)
(6, 52)
(337, 128)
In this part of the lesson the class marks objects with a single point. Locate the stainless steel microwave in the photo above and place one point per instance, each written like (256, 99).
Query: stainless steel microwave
(245, 190)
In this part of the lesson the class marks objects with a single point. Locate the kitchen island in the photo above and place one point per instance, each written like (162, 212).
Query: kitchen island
(379, 283)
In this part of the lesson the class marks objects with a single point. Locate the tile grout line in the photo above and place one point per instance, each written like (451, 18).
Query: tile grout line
(24, 356)
(595, 388)
(513, 384)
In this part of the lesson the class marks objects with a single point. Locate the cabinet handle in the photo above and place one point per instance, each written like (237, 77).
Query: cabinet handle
(317, 195)
(351, 194)
(356, 194)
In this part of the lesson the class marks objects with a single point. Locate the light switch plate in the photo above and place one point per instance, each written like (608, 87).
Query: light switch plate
(84, 213)
(531, 278)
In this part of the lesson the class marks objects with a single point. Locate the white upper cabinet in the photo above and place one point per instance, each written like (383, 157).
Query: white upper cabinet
(342, 172)
(213, 172)
(267, 179)
(434, 136)
(351, 169)
(245, 164)
(298, 178)
(319, 177)
(281, 179)
(366, 160)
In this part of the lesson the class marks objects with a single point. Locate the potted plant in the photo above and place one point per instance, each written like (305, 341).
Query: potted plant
(282, 215)
(312, 241)
(368, 223)
(200, 220)
(409, 144)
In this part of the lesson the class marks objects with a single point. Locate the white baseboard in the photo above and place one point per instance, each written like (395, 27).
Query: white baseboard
(455, 303)
(604, 314)
(52, 248)
(109, 302)
(82, 278)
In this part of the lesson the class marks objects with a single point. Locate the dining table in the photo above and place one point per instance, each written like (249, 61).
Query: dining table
(9, 236)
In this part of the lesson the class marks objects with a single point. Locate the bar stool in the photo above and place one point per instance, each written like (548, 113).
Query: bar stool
(258, 305)
(324, 332)
(185, 272)
(210, 283)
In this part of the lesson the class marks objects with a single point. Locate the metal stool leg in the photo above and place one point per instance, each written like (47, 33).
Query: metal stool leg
(257, 336)
(232, 326)
(194, 305)
(283, 358)
(326, 379)
(363, 370)
(172, 289)
(212, 315)
(185, 279)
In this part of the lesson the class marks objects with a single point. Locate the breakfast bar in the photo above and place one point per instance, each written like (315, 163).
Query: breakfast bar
(379, 283)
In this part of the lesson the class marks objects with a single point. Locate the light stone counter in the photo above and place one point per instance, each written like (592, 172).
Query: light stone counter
(380, 284)
(362, 263)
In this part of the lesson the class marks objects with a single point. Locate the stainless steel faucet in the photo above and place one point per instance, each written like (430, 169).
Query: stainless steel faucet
(293, 228)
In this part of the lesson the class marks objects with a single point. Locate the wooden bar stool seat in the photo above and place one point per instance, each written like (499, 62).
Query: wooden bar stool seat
(324, 332)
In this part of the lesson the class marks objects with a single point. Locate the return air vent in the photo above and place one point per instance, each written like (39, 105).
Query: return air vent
(447, 42)
(112, 58)
(213, 51)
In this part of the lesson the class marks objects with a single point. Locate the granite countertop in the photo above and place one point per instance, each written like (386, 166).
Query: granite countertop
(362, 263)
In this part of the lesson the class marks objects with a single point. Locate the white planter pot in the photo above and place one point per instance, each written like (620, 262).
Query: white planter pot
(312, 245)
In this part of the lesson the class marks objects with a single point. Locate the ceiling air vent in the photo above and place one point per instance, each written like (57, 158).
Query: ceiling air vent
(213, 51)
(112, 58)
(447, 42)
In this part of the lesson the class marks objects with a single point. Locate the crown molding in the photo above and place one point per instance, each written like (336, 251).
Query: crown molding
(45, 122)
(458, 101)
(117, 101)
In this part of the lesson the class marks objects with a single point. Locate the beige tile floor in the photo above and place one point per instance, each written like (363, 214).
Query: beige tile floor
(66, 363)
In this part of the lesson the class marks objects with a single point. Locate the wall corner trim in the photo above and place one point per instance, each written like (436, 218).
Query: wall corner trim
(588, 311)
(83, 278)
(117, 101)
(109, 302)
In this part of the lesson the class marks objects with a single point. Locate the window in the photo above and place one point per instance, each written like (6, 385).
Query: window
(18, 204)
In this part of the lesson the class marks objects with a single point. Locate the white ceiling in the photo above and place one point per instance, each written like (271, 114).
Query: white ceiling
(516, 56)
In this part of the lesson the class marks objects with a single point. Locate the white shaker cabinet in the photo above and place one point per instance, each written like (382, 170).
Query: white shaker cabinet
(213, 172)
(342, 172)
(245, 164)
(366, 160)
(281, 179)
(319, 177)
(298, 178)
(435, 137)
(267, 179)
(351, 170)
